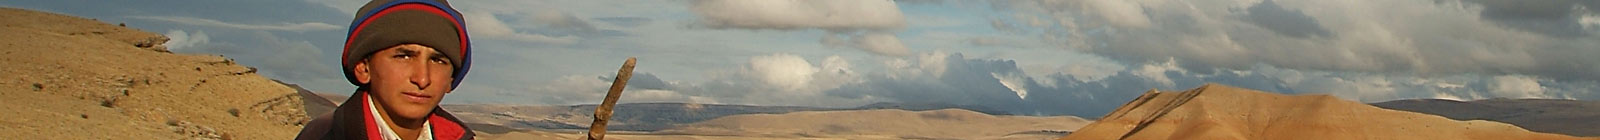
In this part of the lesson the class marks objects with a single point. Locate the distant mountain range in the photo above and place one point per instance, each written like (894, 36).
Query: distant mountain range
(1215, 111)
(651, 116)
(1570, 117)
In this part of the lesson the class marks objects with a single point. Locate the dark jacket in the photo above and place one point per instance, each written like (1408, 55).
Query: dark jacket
(352, 121)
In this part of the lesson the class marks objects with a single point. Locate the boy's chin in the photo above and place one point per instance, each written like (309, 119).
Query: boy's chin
(411, 112)
(417, 114)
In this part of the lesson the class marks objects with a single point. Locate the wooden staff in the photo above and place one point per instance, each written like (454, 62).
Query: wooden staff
(602, 114)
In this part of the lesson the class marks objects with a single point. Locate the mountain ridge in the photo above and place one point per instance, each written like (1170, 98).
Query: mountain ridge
(1215, 111)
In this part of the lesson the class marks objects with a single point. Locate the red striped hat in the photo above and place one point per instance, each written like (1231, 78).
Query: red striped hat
(387, 23)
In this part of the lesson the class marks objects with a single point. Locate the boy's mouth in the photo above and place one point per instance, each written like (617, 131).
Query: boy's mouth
(416, 96)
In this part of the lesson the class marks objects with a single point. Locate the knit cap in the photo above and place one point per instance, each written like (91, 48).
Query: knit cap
(387, 23)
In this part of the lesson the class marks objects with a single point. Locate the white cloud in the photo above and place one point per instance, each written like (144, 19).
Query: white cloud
(486, 25)
(181, 40)
(933, 63)
(571, 89)
(835, 15)
(868, 23)
(1157, 72)
(1013, 81)
(1513, 86)
(879, 43)
(586, 89)
(785, 71)
(835, 71)
(1447, 96)
(1429, 38)
(349, 7)
(1121, 13)
(1591, 22)
(297, 27)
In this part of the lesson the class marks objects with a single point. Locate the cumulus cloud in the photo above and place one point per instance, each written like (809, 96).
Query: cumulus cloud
(784, 71)
(956, 80)
(559, 23)
(486, 25)
(181, 40)
(1564, 18)
(874, 42)
(1287, 22)
(836, 15)
(1429, 38)
(1516, 87)
(868, 23)
(298, 27)
(1001, 84)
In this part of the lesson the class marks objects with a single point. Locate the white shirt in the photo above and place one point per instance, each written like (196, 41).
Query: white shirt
(388, 134)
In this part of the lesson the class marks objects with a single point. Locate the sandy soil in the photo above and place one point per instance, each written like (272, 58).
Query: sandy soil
(1223, 112)
(64, 77)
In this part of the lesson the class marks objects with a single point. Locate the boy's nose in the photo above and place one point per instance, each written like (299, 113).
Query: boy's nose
(420, 76)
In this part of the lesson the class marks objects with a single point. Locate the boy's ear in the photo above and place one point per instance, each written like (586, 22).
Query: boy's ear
(363, 72)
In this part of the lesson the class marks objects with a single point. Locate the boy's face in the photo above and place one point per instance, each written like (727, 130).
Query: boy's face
(406, 81)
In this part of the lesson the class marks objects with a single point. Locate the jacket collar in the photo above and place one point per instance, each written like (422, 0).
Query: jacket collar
(352, 121)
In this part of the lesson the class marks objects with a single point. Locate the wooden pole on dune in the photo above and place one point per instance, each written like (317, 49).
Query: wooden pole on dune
(602, 114)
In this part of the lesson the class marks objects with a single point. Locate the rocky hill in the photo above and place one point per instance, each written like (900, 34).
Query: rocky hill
(1222, 112)
(64, 77)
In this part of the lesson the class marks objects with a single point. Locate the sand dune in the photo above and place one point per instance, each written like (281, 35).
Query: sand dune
(1222, 112)
(64, 77)
(1570, 117)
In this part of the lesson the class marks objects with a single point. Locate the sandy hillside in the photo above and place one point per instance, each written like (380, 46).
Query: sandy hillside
(1222, 112)
(1569, 117)
(64, 77)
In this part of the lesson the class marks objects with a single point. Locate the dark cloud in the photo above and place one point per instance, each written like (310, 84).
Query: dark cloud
(1285, 21)
(964, 82)
(1550, 17)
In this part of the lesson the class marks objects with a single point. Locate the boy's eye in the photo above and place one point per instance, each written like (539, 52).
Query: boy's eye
(402, 55)
(437, 60)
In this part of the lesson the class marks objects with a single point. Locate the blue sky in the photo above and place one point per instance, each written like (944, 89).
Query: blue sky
(1037, 57)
